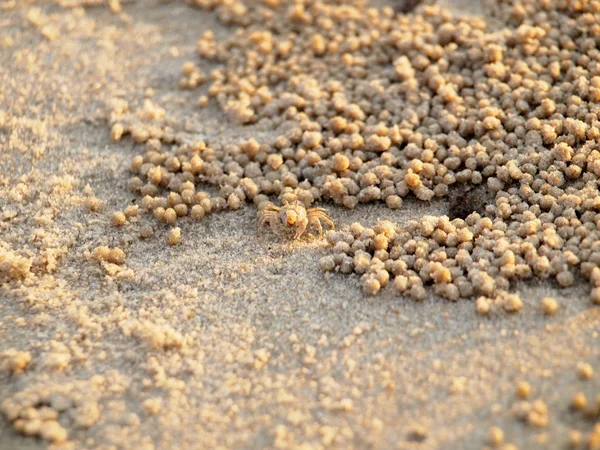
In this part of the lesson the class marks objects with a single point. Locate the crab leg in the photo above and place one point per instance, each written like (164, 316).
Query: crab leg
(318, 222)
(323, 216)
(300, 230)
(269, 217)
(266, 216)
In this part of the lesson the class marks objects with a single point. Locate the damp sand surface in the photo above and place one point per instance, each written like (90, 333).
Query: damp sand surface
(232, 337)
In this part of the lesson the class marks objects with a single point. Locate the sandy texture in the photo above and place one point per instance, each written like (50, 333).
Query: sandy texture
(233, 338)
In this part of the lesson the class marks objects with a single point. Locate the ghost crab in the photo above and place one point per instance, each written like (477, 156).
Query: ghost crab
(294, 215)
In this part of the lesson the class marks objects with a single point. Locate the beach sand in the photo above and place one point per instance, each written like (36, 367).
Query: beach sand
(234, 338)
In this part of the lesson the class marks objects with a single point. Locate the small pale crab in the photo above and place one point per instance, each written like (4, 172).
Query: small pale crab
(294, 215)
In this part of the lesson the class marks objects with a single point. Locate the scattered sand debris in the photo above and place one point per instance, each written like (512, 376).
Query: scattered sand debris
(118, 219)
(14, 361)
(174, 236)
(112, 255)
(94, 204)
(417, 433)
(548, 305)
(36, 411)
(496, 437)
(13, 266)
(158, 336)
(584, 371)
(523, 389)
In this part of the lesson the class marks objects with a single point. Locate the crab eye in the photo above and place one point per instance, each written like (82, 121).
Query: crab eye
(290, 217)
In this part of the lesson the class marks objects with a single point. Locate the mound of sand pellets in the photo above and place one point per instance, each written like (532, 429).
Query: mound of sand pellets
(371, 105)
(140, 307)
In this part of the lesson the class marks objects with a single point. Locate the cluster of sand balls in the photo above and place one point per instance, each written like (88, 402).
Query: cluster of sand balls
(460, 258)
(370, 105)
(478, 256)
(47, 411)
(31, 417)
